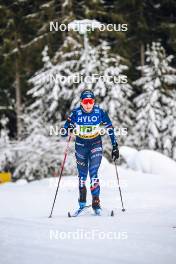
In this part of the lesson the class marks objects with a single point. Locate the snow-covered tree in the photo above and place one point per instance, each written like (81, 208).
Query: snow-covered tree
(153, 103)
(54, 85)
(4, 132)
(43, 90)
(88, 58)
(88, 70)
(6, 154)
(169, 124)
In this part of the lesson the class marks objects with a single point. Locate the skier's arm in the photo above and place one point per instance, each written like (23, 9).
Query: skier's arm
(69, 124)
(108, 124)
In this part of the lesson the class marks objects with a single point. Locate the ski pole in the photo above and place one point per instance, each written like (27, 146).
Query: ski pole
(123, 209)
(62, 168)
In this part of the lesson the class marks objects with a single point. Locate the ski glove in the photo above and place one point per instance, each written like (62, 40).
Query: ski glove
(71, 128)
(115, 152)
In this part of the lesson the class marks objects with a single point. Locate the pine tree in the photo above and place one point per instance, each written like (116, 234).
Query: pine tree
(42, 83)
(6, 154)
(54, 85)
(151, 103)
(4, 132)
(23, 33)
(169, 125)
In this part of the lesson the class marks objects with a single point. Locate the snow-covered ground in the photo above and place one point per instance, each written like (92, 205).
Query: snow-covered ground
(143, 234)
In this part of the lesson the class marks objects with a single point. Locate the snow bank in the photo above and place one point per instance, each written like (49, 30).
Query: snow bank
(148, 161)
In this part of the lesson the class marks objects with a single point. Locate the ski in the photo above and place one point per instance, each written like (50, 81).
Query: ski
(79, 211)
(96, 212)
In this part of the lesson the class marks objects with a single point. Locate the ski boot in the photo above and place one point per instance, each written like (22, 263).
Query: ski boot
(82, 197)
(96, 205)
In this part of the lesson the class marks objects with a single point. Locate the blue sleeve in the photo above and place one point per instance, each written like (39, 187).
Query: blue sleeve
(108, 124)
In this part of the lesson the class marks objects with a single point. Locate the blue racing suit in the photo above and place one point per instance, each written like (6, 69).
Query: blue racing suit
(88, 143)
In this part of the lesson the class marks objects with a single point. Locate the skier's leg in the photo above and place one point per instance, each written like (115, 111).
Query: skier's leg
(95, 158)
(82, 167)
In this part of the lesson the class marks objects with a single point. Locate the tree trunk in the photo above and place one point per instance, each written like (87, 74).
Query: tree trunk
(142, 55)
(18, 90)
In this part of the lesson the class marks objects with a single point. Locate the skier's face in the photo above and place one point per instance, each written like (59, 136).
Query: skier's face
(88, 104)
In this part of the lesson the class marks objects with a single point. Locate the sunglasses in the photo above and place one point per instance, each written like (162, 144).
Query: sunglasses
(88, 101)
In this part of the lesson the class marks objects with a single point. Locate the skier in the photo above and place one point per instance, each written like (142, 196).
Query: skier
(85, 121)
